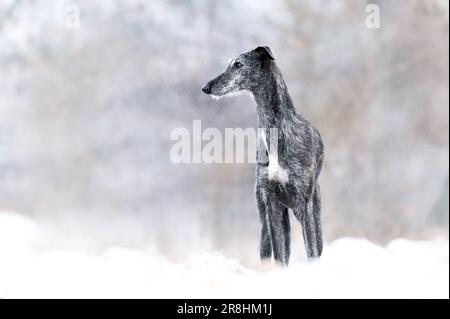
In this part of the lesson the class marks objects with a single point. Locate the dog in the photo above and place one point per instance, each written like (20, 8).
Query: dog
(294, 148)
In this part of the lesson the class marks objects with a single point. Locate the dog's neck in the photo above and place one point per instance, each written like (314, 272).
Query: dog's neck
(273, 101)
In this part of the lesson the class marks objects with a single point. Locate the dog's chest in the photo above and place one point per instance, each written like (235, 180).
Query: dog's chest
(269, 147)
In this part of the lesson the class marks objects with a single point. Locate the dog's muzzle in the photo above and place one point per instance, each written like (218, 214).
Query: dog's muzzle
(206, 88)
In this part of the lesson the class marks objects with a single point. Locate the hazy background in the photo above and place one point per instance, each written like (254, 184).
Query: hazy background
(86, 114)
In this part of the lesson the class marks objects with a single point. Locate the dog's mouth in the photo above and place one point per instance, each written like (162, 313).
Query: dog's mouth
(221, 93)
(214, 93)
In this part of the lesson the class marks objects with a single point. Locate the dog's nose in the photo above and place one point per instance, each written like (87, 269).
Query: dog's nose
(206, 88)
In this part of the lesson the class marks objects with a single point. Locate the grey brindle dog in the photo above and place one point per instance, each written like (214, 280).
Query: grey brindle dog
(289, 178)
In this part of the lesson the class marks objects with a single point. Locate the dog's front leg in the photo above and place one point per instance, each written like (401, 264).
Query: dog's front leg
(265, 246)
(280, 230)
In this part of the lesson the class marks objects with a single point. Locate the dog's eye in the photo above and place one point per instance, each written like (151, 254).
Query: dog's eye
(237, 65)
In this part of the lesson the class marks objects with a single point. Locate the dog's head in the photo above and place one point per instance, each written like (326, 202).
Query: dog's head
(244, 73)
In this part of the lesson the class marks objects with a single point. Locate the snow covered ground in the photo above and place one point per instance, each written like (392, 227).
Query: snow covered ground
(350, 267)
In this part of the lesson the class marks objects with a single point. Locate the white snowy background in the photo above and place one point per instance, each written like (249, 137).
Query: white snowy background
(349, 268)
(92, 206)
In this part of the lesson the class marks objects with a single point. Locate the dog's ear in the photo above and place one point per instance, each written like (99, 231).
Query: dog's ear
(265, 52)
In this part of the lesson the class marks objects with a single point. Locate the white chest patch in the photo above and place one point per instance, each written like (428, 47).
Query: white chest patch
(274, 171)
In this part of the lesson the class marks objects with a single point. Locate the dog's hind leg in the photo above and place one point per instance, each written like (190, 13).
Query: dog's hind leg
(280, 231)
(265, 246)
(317, 215)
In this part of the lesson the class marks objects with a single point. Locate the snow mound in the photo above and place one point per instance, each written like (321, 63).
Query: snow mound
(349, 268)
